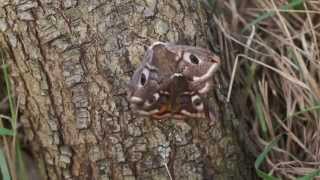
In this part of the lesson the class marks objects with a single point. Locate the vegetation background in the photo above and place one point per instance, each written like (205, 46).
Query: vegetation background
(62, 95)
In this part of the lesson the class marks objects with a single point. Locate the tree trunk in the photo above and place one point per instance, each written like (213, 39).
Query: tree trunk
(70, 62)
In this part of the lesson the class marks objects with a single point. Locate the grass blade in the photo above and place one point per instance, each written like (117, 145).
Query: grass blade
(310, 176)
(262, 157)
(4, 167)
(6, 132)
(261, 117)
(22, 174)
(316, 107)
(11, 104)
(292, 5)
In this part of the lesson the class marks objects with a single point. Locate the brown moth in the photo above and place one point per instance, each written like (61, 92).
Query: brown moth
(172, 81)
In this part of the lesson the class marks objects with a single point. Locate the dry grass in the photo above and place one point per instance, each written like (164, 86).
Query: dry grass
(279, 75)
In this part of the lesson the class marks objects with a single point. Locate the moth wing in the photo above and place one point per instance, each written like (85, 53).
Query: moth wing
(187, 103)
(197, 64)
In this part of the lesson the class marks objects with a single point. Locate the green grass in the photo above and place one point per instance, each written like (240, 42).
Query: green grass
(4, 166)
(11, 160)
(10, 98)
(310, 176)
(268, 176)
(260, 115)
(6, 132)
(293, 4)
(305, 110)
(262, 157)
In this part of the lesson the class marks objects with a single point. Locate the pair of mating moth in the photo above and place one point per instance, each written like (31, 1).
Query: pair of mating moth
(173, 81)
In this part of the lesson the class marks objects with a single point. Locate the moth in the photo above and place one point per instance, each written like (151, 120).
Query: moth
(173, 81)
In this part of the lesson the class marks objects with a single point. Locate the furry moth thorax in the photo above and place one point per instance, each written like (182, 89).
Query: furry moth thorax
(173, 81)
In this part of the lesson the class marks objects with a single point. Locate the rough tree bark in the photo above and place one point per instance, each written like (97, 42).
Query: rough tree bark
(69, 63)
